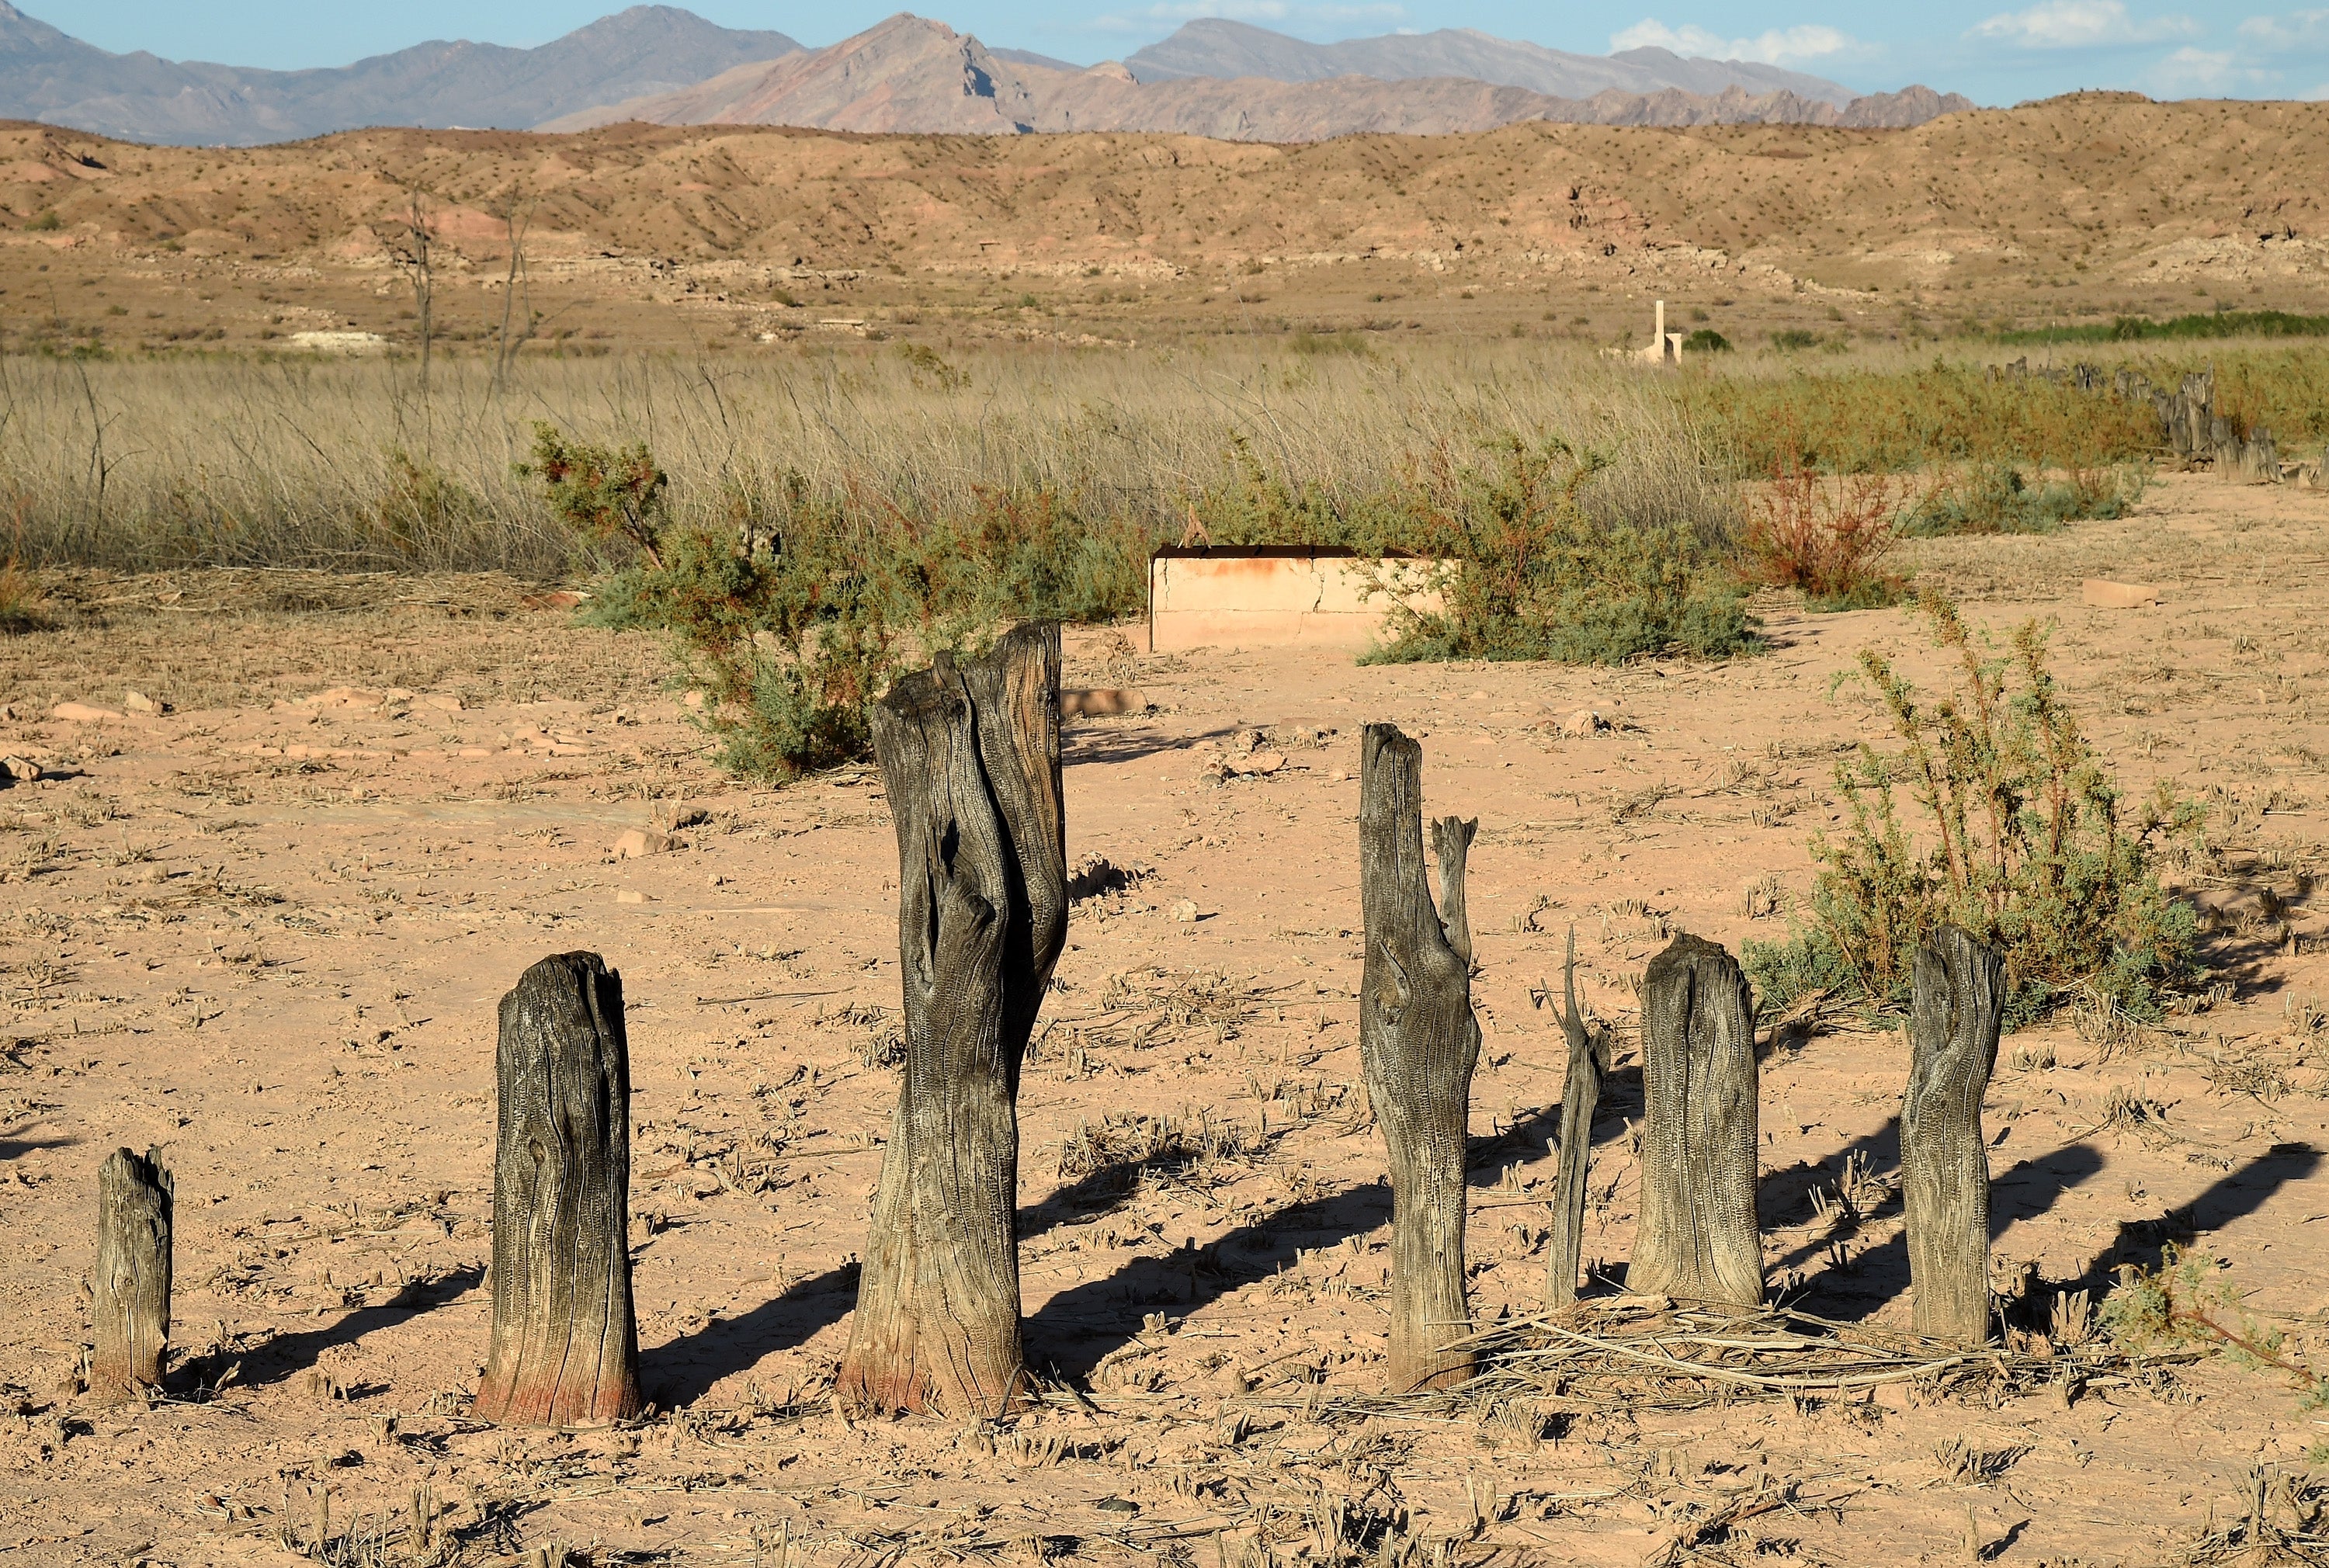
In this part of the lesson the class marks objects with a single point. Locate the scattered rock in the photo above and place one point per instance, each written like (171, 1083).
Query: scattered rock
(1263, 762)
(82, 713)
(20, 769)
(1184, 913)
(1098, 874)
(2102, 593)
(345, 697)
(1584, 722)
(629, 895)
(1101, 704)
(634, 842)
(693, 701)
(443, 701)
(138, 702)
(1117, 1506)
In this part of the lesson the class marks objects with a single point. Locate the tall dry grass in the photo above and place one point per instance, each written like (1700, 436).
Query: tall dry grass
(151, 464)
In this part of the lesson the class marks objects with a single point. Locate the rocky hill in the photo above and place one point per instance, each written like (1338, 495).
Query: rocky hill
(916, 76)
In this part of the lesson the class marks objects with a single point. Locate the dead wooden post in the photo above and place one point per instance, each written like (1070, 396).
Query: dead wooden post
(1698, 1239)
(1958, 1004)
(970, 754)
(1581, 1092)
(130, 1290)
(565, 1348)
(1418, 1041)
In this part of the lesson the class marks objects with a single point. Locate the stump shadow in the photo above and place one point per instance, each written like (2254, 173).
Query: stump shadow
(1874, 1279)
(2235, 1195)
(1076, 1330)
(17, 1147)
(683, 1369)
(1073, 1330)
(287, 1354)
(1079, 745)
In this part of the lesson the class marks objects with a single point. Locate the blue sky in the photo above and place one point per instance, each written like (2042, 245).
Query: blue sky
(1994, 51)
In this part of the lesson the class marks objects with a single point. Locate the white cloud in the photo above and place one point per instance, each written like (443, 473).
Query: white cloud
(2081, 24)
(2298, 29)
(1779, 46)
(2203, 72)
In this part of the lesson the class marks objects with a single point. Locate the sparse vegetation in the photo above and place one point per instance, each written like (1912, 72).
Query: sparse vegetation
(2214, 323)
(1997, 498)
(1828, 539)
(1546, 575)
(2020, 838)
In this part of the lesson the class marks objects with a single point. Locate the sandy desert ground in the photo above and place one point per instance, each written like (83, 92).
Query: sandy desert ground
(265, 934)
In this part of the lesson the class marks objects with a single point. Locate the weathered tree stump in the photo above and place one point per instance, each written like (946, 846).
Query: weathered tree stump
(130, 1288)
(1581, 1092)
(970, 753)
(1958, 1004)
(1418, 1041)
(1698, 1239)
(565, 1348)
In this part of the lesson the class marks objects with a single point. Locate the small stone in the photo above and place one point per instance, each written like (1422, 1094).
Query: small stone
(1184, 913)
(1117, 1506)
(633, 843)
(82, 713)
(443, 701)
(629, 895)
(21, 769)
(2102, 593)
(138, 702)
(1263, 762)
(1584, 722)
(693, 701)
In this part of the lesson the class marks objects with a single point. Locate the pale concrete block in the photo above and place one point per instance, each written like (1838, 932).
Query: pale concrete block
(2102, 593)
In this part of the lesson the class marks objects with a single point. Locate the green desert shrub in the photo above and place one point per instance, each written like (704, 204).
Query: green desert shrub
(1996, 498)
(1542, 575)
(795, 610)
(1554, 553)
(2019, 835)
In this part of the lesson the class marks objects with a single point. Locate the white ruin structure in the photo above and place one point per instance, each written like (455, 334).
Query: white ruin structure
(1664, 348)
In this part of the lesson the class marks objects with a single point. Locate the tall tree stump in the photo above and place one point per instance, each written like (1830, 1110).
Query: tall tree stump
(130, 1289)
(565, 1347)
(970, 753)
(1418, 1041)
(1956, 1006)
(1698, 1239)
(1580, 1093)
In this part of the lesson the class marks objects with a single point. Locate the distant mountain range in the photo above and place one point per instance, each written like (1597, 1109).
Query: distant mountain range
(911, 74)
(47, 75)
(1217, 48)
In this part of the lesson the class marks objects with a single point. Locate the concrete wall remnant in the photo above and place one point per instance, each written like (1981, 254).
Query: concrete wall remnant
(1270, 596)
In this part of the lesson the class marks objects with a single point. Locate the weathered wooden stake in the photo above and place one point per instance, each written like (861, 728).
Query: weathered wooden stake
(1581, 1092)
(1957, 1007)
(970, 753)
(1418, 1041)
(1698, 1238)
(130, 1289)
(565, 1348)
